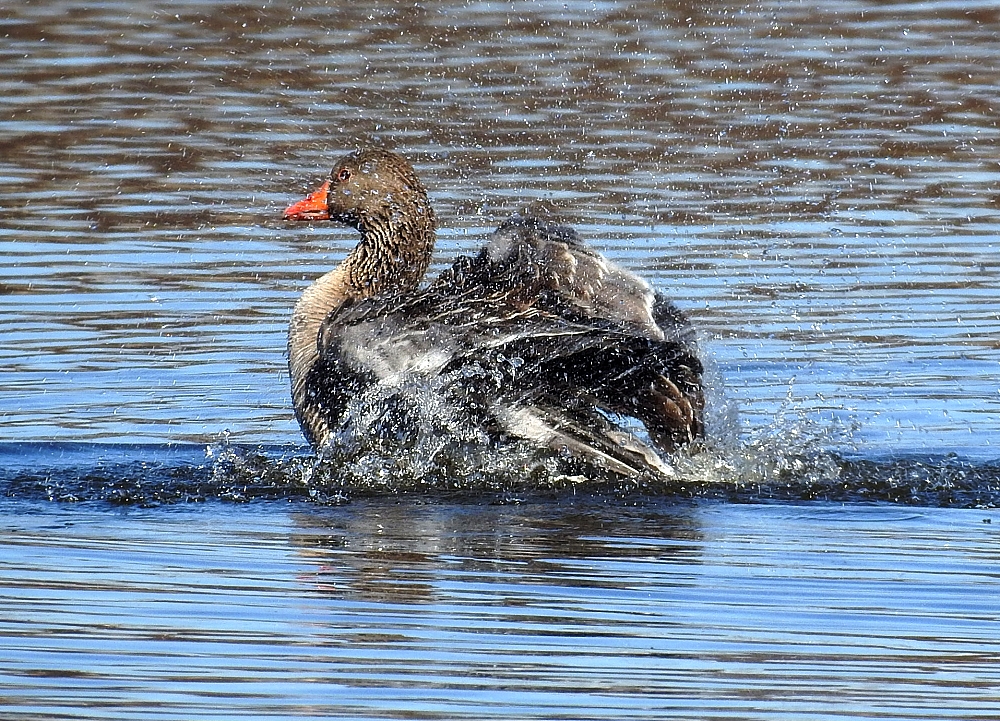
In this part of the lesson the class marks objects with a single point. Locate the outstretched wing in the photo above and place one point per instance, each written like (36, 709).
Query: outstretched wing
(538, 337)
(553, 265)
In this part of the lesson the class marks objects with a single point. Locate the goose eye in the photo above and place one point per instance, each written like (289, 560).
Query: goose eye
(344, 175)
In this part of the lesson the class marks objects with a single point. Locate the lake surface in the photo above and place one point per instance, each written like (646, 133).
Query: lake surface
(817, 185)
(571, 610)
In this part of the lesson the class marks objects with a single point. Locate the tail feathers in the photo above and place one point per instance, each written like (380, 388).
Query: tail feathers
(595, 441)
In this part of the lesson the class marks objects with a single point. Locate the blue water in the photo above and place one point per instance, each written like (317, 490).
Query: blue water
(815, 184)
(581, 609)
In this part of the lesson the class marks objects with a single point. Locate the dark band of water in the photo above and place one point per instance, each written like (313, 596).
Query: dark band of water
(155, 475)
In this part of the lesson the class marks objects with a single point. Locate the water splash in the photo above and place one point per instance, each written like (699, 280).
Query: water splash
(427, 449)
(434, 455)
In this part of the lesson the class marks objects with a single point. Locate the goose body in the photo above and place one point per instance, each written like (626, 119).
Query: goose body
(536, 337)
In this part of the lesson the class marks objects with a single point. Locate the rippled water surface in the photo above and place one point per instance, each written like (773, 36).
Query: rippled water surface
(816, 184)
(570, 610)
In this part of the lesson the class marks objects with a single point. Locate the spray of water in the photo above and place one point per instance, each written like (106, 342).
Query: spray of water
(413, 441)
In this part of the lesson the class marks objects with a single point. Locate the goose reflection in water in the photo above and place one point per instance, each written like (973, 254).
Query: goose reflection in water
(386, 552)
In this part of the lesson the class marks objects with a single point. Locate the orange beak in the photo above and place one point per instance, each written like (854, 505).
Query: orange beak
(312, 208)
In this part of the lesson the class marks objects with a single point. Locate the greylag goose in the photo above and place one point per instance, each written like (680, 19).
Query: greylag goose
(539, 338)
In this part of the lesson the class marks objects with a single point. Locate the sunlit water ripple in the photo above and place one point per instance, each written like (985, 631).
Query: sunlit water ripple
(817, 185)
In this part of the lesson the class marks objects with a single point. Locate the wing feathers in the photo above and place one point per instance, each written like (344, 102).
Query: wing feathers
(540, 334)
